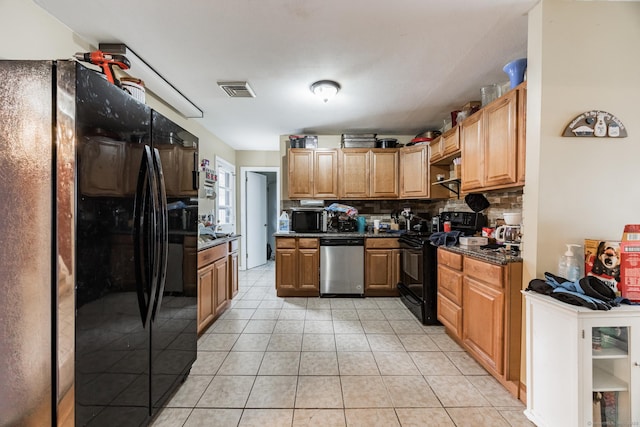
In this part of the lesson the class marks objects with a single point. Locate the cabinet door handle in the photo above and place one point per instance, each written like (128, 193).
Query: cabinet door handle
(636, 364)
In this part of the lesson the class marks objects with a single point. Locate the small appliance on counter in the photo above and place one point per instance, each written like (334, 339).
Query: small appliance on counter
(468, 223)
(308, 220)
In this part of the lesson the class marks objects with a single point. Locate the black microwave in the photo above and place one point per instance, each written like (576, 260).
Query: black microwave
(308, 220)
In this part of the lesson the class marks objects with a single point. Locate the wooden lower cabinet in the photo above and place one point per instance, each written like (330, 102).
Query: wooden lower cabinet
(233, 268)
(206, 308)
(213, 284)
(381, 267)
(480, 305)
(482, 328)
(297, 267)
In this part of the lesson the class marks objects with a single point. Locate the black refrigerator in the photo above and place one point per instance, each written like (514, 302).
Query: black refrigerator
(115, 206)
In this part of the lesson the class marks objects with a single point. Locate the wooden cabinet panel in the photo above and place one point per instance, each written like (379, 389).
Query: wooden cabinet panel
(206, 297)
(449, 259)
(309, 269)
(522, 131)
(473, 154)
(381, 243)
(489, 273)
(450, 284)
(300, 173)
(233, 269)
(297, 266)
(450, 315)
(354, 173)
(286, 268)
(325, 178)
(378, 272)
(483, 329)
(501, 141)
(384, 173)
(414, 172)
(435, 150)
(451, 141)
(221, 284)
(209, 255)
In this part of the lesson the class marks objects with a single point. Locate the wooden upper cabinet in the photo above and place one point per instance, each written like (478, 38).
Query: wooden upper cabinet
(501, 141)
(522, 131)
(451, 141)
(313, 173)
(493, 144)
(435, 150)
(354, 173)
(300, 173)
(384, 173)
(325, 175)
(414, 172)
(473, 155)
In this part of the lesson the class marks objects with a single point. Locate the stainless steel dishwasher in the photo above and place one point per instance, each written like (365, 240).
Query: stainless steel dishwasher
(341, 266)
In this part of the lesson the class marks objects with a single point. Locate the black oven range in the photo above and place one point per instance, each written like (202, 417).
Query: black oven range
(418, 278)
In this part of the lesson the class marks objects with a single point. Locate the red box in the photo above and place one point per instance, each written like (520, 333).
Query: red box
(630, 270)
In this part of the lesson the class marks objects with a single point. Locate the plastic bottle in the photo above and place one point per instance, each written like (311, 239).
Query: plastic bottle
(568, 266)
(283, 223)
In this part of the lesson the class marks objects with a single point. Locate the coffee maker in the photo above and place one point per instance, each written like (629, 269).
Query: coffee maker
(511, 232)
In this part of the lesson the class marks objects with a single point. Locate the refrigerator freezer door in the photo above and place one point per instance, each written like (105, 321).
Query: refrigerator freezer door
(26, 153)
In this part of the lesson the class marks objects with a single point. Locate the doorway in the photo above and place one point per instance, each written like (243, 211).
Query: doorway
(255, 184)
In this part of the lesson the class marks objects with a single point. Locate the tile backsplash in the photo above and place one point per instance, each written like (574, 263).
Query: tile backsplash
(500, 202)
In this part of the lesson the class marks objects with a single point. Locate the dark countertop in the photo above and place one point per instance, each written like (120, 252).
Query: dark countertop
(216, 242)
(483, 254)
(382, 234)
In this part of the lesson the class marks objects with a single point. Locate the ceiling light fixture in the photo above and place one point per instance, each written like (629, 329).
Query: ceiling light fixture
(325, 89)
(154, 81)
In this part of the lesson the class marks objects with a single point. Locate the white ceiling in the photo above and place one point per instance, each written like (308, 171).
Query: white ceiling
(403, 65)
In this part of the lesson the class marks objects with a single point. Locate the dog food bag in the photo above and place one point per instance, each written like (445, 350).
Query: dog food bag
(630, 270)
(602, 260)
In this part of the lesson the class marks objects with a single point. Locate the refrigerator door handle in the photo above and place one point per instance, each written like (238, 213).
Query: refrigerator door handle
(143, 225)
(163, 232)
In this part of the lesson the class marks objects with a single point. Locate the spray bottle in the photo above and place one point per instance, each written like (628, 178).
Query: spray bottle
(569, 266)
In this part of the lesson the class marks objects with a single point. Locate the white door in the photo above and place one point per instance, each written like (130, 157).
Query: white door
(256, 215)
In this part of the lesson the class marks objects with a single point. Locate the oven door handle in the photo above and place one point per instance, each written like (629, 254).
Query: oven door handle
(407, 293)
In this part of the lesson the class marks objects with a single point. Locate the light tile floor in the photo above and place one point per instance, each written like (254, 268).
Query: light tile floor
(270, 361)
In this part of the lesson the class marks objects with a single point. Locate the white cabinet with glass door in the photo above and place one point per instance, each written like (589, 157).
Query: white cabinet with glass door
(583, 365)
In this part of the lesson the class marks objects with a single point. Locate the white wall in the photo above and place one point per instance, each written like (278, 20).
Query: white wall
(582, 56)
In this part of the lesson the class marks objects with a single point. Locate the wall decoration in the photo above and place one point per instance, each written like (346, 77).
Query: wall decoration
(596, 123)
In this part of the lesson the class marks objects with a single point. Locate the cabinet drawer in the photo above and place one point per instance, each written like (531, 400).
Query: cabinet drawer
(233, 246)
(449, 259)
(306, 243)
(488, 273)
(286, 243)
(210, 255)
(450, 315)
(435, 150)
(451, 141)
(382, 242)
(450, 284)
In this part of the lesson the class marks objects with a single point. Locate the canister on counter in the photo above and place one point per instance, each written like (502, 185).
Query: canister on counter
(447, 226)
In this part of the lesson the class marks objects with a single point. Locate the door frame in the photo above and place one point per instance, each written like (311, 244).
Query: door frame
(243, 205)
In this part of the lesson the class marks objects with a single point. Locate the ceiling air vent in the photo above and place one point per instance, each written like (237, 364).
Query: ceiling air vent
(237, 89)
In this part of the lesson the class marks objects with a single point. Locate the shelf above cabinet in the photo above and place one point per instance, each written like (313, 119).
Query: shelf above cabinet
(445, 183)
